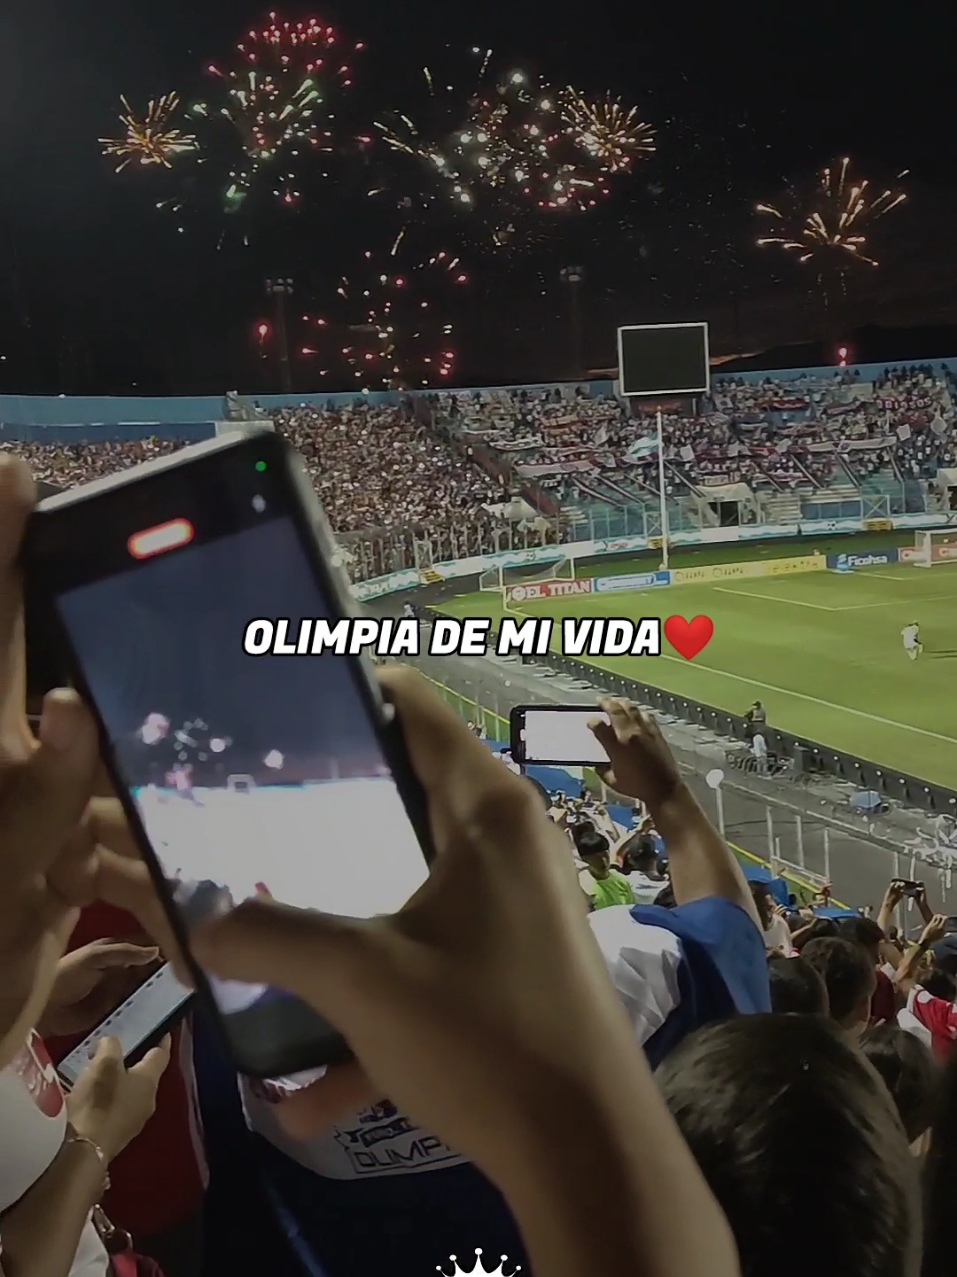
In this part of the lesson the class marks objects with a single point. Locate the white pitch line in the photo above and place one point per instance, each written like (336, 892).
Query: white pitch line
(799, 696)
(773, 598)
(923, 598)
(812, 700)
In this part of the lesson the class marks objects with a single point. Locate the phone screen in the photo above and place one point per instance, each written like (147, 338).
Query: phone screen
(562, 736)
(250, 774)
(134, 1021)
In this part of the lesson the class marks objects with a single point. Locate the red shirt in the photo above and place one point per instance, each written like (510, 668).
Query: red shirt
(884, 1001)
(938, 1018)
(160, 1179)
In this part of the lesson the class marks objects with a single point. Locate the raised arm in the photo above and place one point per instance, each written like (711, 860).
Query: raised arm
(642, 766)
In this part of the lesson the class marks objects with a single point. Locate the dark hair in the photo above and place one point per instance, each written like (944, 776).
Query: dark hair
(581, 829)
(946, 961)
(820, 928)
(746, 1093)
(939, 984)
(910, 1072)
(639, 850)
(797, 988)
(847, 972)
(862, 931)
(763, 901)
(665, 898)
(592, 843)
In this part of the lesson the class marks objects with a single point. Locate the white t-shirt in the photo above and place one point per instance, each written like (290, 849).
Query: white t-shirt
(909, 635)
(32, 1130)
(759, 746)
(375, 1143)
(646, 889)
(778, 936)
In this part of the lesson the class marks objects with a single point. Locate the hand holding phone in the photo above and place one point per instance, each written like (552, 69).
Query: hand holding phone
(110, 1103)
(238, 760)
(137, 1024)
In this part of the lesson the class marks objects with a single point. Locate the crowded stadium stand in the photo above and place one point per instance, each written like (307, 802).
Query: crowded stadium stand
(421, 478)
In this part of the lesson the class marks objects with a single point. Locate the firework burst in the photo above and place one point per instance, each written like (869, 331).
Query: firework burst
(389, 327)
(509, 148)
(152, 139)
(831, 222)
(277, 100)
(606, 131)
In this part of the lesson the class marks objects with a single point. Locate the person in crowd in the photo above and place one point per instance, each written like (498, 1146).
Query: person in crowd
(912, 1076)
(756, 718)
(797, 988)
(850, 978)
(931, 993)
(403, 989)
(704, 959)
(420, 997)
(869, 935)
(639, 864)
(759, 751)
(377, 1162)
(789, 1122)
(56, 1152)
(159, 1181)
(814, 929)
(777, 933)
(603, 885)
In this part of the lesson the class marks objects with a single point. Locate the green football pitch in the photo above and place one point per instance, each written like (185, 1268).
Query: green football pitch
(823, 652)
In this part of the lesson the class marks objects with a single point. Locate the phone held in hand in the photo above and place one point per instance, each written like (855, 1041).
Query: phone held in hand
(241, 774)
(142, 1021)
(556, 736)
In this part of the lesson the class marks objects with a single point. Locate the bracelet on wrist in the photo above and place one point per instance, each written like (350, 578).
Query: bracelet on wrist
(74, 1137)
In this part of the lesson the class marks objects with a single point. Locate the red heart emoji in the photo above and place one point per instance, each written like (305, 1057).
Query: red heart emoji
(688, 638)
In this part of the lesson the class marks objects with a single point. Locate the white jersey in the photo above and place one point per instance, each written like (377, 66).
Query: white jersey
(910, 636)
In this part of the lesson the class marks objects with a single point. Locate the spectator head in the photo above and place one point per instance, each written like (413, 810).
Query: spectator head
(865, 932)
(797, 988)
(745, 1093)
(640, 855)
(763, 902)
(541, 791)
(850, 978)
(939, 984)
(819, 929)
(594, 850)
(665, 898)
(910, 1073)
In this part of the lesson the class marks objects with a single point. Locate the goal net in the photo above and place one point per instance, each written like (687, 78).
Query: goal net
(501, 578)
(934, 546)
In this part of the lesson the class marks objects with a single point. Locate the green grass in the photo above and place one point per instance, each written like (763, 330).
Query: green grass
(821, 650)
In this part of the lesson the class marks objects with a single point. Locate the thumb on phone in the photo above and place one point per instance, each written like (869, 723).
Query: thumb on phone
(155, 1062)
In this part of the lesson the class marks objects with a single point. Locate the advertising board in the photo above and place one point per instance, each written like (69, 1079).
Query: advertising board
(536, 591)
(643, 581)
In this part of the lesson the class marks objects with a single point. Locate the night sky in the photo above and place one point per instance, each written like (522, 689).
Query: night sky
(100, 294)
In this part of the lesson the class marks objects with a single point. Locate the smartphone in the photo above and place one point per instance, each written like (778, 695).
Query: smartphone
(909, 887)
(240, 774)
(140, 1023)
(556, 735)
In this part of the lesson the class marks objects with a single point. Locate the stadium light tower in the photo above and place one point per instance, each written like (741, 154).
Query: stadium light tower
(573, 277)
(280, 289)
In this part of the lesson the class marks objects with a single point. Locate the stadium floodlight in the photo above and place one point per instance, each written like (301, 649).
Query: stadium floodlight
(660, 361)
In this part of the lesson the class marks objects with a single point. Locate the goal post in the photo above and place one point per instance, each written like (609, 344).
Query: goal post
(499, 579)
(933, 546)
